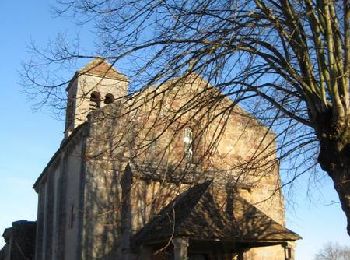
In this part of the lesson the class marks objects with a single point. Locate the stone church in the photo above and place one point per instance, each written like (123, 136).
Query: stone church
(173, 172)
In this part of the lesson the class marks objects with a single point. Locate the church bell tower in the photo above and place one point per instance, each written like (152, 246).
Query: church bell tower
(92, 87)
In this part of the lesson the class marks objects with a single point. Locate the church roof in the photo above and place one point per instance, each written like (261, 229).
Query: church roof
(100, 67)
(196, 215)
(257, 226)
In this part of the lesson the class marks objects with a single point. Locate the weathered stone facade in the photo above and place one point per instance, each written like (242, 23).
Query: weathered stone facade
(134, 159)
(20, 241)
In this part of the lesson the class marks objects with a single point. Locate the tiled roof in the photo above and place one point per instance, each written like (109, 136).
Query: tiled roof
(100, 67)
(196, 215)
(257, 226)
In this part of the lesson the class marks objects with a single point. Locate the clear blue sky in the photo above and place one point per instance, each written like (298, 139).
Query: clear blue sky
(28, 139)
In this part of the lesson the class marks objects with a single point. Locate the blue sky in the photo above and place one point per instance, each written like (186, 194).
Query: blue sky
(28, 139)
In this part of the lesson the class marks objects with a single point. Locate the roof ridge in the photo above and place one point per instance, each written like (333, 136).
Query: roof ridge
(101, 67)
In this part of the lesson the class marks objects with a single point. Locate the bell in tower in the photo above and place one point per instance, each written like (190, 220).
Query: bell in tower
(92, 87)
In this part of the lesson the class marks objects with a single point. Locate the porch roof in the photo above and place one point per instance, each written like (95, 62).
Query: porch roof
(196, 215)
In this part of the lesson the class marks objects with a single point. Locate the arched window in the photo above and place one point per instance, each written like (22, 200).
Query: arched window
(188, 143)
(109, 99)
(95, 100)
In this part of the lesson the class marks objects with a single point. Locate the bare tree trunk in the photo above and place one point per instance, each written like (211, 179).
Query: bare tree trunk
(341, 179)
(334, 158)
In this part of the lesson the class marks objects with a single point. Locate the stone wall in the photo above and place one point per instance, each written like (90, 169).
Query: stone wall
(80, 91)
(59, 204)
(20, 241)
(229, 145)
(83, 210)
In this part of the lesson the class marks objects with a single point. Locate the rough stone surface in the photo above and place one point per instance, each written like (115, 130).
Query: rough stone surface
(20, 241)
(121, 164)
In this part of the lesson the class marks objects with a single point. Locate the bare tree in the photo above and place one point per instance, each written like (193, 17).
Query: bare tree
(285, 61)
(333, 251)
